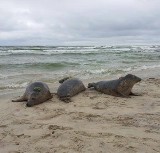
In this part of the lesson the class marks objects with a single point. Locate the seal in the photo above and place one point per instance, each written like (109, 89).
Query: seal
(121, 87)
(36, 93)
(69, 87)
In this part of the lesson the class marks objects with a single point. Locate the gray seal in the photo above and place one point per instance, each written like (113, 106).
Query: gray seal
(36, 93)
(69, 87)
(121, 87)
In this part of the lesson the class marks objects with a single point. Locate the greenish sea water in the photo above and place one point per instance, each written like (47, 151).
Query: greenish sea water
(21, 65)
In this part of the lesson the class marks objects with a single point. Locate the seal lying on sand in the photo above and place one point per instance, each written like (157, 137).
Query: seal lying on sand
(36, 93)
(69, 87)
(121, 87)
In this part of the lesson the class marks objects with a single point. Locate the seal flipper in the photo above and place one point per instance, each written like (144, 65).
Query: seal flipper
(134, 94)
(50, 96)
(91, 85)
(124, 96)
(118, 94)
(64, 79)
(20, 99)
(66, 99)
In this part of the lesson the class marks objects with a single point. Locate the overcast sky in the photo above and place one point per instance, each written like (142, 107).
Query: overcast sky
(79, 22)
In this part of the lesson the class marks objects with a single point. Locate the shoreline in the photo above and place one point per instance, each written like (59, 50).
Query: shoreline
(144, 74)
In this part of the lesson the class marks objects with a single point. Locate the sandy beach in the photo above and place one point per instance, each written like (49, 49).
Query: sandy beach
(92, 122)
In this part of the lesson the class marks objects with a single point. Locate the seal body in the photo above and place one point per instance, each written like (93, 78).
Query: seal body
(121, 87)
(36, 93)
(69, 88)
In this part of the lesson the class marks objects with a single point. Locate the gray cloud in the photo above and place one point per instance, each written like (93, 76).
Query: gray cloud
(70, 22)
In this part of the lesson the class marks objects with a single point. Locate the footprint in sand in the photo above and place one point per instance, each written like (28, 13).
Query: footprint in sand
(23, 135)
(93, 97)
(56, 127)
(100, 105)
(55, 113)
(3, 126)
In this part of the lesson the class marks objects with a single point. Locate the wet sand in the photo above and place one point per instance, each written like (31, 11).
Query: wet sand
(91, 123)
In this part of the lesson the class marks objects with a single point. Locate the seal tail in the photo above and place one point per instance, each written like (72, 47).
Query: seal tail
(20, 99)
(90, 85)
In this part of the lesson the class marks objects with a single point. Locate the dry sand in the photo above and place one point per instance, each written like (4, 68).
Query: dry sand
(91, 123)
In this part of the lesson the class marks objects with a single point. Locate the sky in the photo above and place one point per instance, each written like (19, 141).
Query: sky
(79, 22)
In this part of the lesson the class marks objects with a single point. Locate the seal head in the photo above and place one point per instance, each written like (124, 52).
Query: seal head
(132, 78)
(34, 99)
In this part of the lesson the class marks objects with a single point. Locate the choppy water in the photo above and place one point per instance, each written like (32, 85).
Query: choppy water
(20, 65)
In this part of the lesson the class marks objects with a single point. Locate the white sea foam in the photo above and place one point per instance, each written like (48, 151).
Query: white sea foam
(144, 67)
(14, 85)
(3, 76)
(127, 69)
(98, 71)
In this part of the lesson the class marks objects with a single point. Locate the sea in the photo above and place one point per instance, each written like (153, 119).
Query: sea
(20, 65)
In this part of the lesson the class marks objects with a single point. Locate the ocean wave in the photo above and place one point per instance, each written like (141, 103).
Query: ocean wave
(46, 66)
(14, 85)
(109, 71)
(78, 50)
(144, 67)
(50, 53)
(53, 65)
(98, 71)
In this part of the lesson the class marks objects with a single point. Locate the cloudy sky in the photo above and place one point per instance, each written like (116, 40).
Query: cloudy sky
(79, 22)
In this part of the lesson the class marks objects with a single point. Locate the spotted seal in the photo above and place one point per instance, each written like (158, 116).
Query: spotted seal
(69, 87)
(36, 93)
(121, 87)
